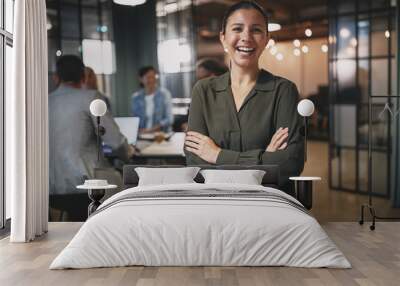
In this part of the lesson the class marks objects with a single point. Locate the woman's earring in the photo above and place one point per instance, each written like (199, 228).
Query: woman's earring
(225, 49)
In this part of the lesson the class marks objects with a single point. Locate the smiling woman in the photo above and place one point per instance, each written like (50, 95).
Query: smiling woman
(246, 116)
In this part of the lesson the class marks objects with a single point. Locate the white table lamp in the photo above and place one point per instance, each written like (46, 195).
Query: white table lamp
(98, 108)
(305, 108)
(304, 188)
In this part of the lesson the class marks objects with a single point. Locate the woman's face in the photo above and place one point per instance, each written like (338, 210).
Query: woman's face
(245, 37)
(149, 79)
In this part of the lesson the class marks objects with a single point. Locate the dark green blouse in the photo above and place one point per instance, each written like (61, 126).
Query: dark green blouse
(244, 135)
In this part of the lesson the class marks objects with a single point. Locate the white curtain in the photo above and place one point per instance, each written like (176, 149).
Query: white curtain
(27, 124)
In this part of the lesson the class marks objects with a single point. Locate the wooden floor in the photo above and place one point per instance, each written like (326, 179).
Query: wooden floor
(375, 257)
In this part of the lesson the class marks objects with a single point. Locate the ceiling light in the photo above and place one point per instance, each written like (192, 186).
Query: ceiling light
(296, 43)
(332, 39)
(270, 43)
(273, 27)
(324, 48)
(279, 56)
(174, 55)
(103, 29)
(48, 23)
(99, 55)
(297, 52)
(344, 33)
(273, 50)
(350, 51)
(353, 42)
(305, 49)
(308, 32)
(387, 34)
(363, 24)
(171, 7)
(129, 2)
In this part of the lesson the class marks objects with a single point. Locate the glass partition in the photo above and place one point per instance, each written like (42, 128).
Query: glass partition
(69, 24)
(175, 46)
(363, 82)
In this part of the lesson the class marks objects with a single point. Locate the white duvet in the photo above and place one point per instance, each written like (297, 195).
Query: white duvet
(200, 231)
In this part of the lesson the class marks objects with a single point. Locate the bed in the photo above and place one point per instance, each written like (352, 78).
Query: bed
(201, 224)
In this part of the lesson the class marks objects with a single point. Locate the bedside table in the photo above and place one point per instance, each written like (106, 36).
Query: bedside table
(95, 193)
(304, 189)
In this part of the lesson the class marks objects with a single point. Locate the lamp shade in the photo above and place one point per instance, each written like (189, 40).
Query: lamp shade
(98, 107)
(273, 27)
(305, 107)
(129, 2)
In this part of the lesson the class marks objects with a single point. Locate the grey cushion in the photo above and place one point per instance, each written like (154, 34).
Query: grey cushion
(165, 176)
(248, 177)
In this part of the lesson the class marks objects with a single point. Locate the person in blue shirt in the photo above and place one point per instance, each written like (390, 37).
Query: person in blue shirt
(152, 104)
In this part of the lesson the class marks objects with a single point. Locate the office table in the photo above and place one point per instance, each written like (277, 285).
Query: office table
(167, 152)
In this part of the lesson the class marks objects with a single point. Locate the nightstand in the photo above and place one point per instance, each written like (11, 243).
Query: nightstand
(304, 187)
(95, 193)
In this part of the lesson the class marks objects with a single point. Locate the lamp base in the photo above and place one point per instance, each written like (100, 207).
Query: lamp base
(371, 209)
(102, 130)
(304, 193)
(95, 196)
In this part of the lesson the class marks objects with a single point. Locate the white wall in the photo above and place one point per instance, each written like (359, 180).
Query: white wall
(307, 71)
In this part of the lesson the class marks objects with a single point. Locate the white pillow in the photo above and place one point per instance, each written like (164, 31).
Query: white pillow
(164, 176)
(248, 177)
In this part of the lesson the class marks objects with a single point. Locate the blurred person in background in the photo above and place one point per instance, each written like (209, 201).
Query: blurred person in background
(207, 67)
(152, 104)
(91, 84)
(73, 146)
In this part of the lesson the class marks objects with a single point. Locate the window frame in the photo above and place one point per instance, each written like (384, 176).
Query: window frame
(370, 14)
(6, 39)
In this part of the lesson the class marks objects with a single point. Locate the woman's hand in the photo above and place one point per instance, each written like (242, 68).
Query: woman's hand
(203, 146)
(278, 140)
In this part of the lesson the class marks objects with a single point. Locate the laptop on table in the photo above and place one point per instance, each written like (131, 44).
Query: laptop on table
(129, 127)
